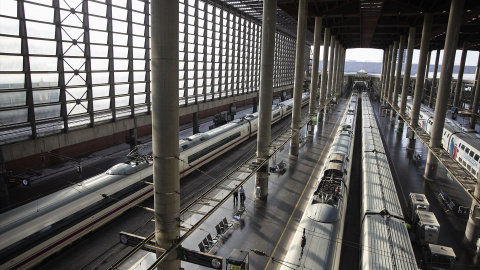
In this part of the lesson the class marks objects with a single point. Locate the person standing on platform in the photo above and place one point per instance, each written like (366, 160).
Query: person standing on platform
(242, 195)
(235, 196)
(304, 241)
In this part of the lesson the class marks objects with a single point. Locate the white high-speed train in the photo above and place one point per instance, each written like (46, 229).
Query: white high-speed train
(34, 231)
(384, 239)
(323, 220)
(461, 143)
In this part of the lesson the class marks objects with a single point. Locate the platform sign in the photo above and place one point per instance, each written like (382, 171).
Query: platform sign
(200, 258)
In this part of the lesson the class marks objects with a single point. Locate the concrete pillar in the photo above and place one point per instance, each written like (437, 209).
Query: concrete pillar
(269, 22)
(342, 70)
(461, 70)
(398, 76)
(474, 106)
(196, 124)
(472, 95)
(392, 72)
(315, 62)
(427, 68)
(453, 30)
(434, 80)
(340, 65)
(422, 62)
(165, 19)
(299, 74)
(384, 71)
(330, 67)
(323, 90)
(472, 231)
(335, 68)
(387, 74)
(408, 68)
(406, 76)
(398, 73)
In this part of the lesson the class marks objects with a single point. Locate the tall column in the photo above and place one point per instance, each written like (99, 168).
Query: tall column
(384, 71)
(398, 76)
(474, 105)
(408, 70)
(165, 20)
(453, 30)
(458, 88)
(269, 22)
(335, 68)
(392, 72)
(387, 74)
(315, 62)
(330, 67)
(299, 75)
(323, 90)
(429, 57)
(339, 69)
(422, 61)
(342, 70)
(434, 80)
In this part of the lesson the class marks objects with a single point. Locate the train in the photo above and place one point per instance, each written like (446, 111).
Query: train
(463, 144)
(384, 238)
(318, 239)
(36, 230)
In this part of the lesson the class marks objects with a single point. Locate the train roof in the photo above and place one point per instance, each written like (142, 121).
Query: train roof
(388, 245)
(379, 191)
(199, 138)
(469, 140)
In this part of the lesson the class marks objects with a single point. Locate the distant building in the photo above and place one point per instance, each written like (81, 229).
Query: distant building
(362, 72)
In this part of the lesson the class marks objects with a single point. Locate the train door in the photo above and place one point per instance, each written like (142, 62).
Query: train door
(452, 148)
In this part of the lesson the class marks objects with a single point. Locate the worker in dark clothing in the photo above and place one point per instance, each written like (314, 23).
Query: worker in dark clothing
(235, 196)
(304, 241)
(242, 195)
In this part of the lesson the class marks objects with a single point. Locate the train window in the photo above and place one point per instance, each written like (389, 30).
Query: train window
(464, 164)
(460, 159)
(185, 146)
(469, 167)
(472, 154)
(474, 172)
(467, 150)
(477, 157)
(462, 146)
